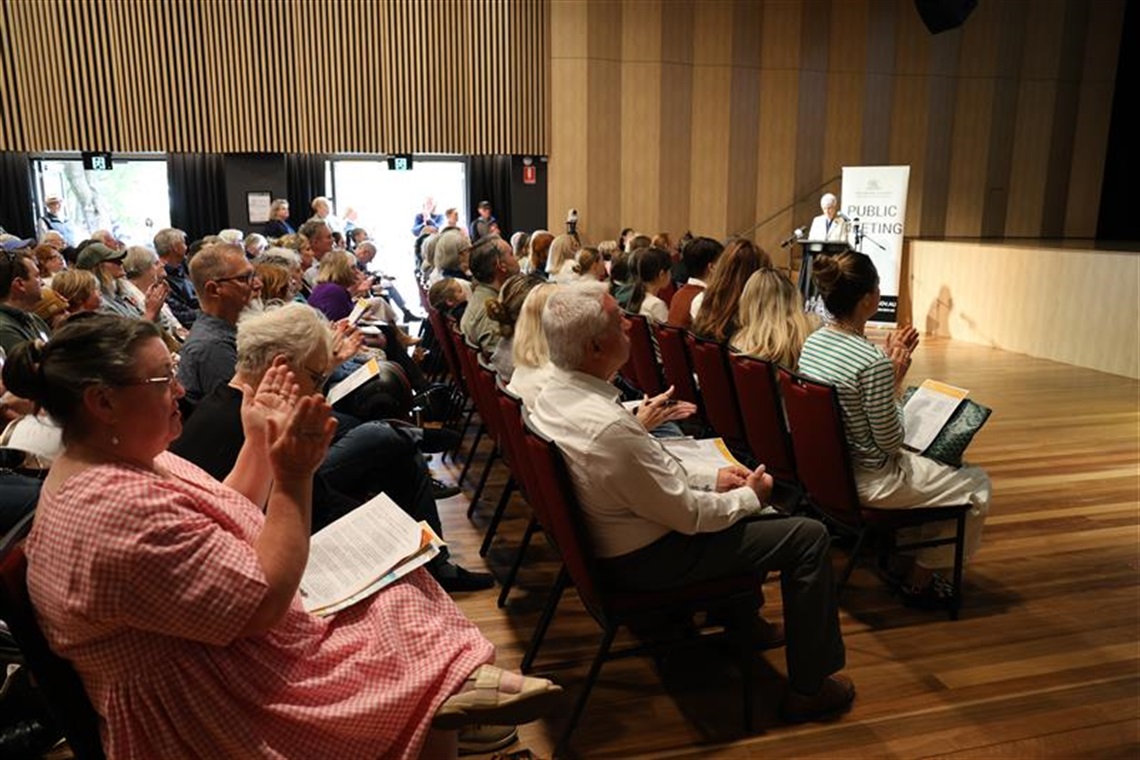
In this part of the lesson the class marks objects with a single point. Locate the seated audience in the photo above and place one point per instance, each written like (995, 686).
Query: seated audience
(539, 248)
(699, 257)
(79, 288)
(492, 262)
(655, 526)
(107, 266)
(589, 265)
(338, 282)
(651, 271)
(276, 283)
(448, 256)
(366, 458)
(505, 309)
(144, 271)
(19, 294)
(869, 382)
(50, 261)
(225, 282)
(300, 245)
(716, 315)
(449, 297)
(255, 244)
(170, 245)
(175, 597)
(560, 264)
(530, 355)
(773, 324)
(621, 277)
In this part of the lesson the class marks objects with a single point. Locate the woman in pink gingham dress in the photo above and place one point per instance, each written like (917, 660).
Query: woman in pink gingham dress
(174, 596)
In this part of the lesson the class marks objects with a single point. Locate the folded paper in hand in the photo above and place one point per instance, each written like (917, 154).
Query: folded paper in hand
(371, 547)
(362, 375)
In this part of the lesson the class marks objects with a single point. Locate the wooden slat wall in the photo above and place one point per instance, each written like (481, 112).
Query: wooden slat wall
(1004, 121)
(321, 76)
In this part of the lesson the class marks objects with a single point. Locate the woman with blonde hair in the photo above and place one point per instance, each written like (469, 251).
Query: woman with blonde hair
(560, 264)
(590, 265)
(336, 278)
(79, 288)
(773, 324)
(529, 349)
(717, 313)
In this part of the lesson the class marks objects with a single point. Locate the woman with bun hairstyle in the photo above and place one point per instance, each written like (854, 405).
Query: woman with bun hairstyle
(773, 324)
(717, 306)
(505, 309)
(868, 381)
(175, 597)
(651, 269)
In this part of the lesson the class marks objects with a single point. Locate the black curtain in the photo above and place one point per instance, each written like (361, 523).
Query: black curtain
(304, 180)
(489, 179)
(17, 204)
(197, 193)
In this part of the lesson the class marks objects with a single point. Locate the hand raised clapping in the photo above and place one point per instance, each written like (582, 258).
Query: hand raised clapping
(274, 399)
(299, 445)
(661, 409)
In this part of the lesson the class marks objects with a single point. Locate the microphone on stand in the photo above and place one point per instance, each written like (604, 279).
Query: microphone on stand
(797, 233)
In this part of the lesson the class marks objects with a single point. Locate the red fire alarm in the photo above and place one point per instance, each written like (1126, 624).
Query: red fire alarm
(530, 175)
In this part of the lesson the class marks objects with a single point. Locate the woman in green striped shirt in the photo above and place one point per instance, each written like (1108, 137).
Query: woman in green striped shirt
(868, 381)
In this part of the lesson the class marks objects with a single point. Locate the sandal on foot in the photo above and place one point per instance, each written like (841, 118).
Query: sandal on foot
(495, 696)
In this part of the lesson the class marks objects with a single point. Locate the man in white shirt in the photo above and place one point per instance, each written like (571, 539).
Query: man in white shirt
(655, 526)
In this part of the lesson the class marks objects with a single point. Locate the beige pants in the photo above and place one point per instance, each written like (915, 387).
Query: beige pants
(910, 481)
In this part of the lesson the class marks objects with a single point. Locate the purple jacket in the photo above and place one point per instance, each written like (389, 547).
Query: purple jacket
(332, 300)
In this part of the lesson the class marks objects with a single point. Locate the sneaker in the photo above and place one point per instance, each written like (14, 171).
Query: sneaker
(441, 490)
(479, 740)
(834, 696)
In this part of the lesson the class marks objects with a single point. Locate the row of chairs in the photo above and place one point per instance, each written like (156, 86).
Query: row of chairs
(537, 471)
(792, 424)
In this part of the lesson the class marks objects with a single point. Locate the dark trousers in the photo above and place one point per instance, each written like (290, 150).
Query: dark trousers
(797, 547)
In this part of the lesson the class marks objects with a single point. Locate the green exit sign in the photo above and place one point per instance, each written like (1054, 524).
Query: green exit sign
(401, 162)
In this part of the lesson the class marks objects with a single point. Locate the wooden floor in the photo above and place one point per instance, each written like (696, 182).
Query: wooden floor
(1045, 661)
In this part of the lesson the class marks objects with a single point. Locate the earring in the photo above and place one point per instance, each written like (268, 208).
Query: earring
(114, 440)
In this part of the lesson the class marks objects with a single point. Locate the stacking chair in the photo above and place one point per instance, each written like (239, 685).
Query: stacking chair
(510, 417)
(469, 359)
(560, 516)
(467, 372)
(64, 695)
(460, 395)
(642, 367)
(823, 464)
(675, 363)
(722, 411)
(485, 379)
(765, 428)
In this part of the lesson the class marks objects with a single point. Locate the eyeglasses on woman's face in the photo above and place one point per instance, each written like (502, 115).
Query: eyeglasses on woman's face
(168, 379)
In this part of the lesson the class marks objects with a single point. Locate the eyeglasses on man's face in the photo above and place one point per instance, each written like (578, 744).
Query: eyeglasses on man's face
(246, 278)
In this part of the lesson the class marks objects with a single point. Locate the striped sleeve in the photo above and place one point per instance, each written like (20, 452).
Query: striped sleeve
(884, 415)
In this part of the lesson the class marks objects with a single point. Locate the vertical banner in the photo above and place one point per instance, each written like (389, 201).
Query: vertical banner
(874, 199)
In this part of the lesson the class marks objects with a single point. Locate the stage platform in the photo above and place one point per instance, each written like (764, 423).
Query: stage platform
(1045, 661)
(1073, 301)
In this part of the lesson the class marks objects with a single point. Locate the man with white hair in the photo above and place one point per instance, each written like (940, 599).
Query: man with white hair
(830, 225)
(53, 239)
(656, 526)
(170, 245)
(365, 252)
